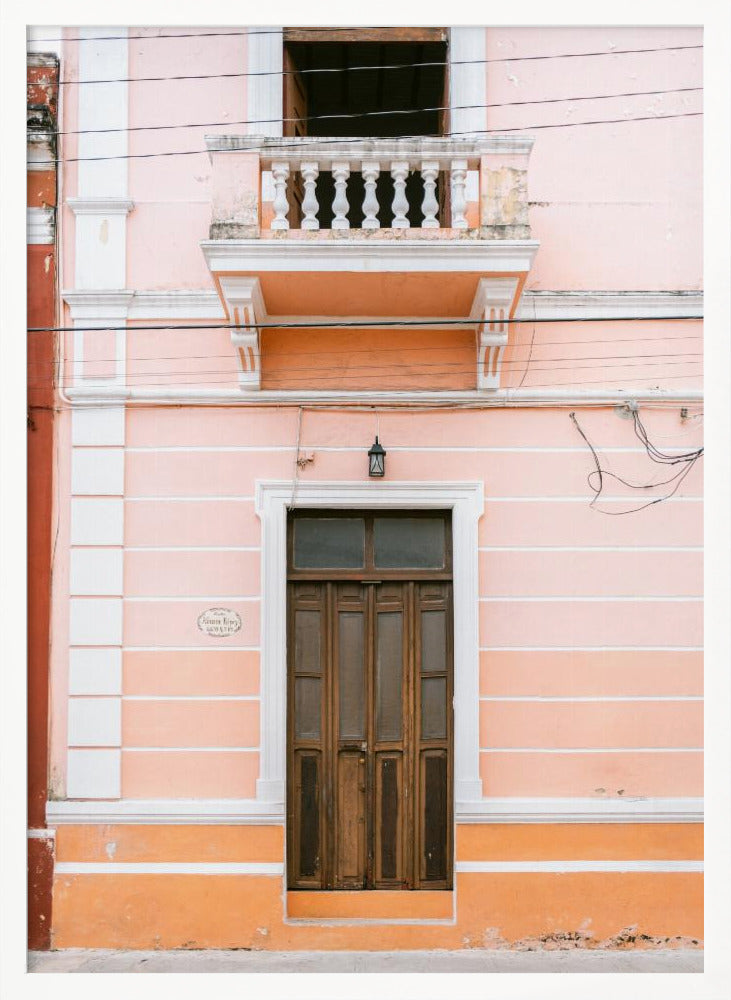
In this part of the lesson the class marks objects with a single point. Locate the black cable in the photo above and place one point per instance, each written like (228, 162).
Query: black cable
(366, 324)
(688, 459)
(379, 114)
(302, 142)
(387, 370)
(382, 350)
(376, 68)
(233, 373)
(247, 33)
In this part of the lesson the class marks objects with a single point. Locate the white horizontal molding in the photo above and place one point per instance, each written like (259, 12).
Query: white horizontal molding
(581, 810)
(612, 304)
(176, 304)
(481, 256)
(98, 303)
(329, 150)
(566, 867)
(100, 206)
(204, 304)
(169, 868)
(41, 154)
(560, 396)
(41, 225)
(41, 833)
(174, 812)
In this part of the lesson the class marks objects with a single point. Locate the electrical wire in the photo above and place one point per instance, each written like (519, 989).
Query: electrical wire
(382, 350)
(303, 375)
(377, 114)
(376, 67)
(688, 460)
(302, 142)
(365, 324)
(389, 369)
(247, 33)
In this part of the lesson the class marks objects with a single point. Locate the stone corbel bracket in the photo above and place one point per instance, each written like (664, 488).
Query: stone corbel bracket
(494, 302)
(244, 303)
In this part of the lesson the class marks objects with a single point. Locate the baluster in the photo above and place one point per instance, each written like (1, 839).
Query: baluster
(459, 197)
(370, 172)
(341, 173)
(280, 173)
(430, 205)
(310, 206)
(400, 206)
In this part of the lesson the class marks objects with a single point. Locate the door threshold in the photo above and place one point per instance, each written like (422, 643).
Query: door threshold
(371, 904)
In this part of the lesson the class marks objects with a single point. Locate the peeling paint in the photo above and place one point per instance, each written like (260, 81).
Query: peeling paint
(626, 939)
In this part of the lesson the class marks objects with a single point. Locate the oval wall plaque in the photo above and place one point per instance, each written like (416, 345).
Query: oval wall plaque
(220, 622)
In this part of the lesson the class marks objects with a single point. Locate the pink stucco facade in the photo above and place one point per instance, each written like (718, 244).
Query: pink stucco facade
(578, 721)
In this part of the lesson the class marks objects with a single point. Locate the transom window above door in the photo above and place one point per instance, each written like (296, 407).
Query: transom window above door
(389, 545)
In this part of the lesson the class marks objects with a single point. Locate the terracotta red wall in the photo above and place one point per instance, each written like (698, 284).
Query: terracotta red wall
(41, 273)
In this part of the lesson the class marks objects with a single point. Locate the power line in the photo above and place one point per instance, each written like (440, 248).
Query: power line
(302, 142)
(625, 361)
(376, 67)
(380, 114)
(363, 324)
(247, 33)
(383, 350)
(308, 383)
(411, 369)
(688, 460)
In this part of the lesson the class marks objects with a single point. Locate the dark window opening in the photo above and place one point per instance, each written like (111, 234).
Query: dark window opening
(371, 99)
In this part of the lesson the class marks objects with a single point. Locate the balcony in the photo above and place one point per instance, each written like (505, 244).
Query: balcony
(312, 228)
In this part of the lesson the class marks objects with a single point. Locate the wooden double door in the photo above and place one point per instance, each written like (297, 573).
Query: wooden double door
(370, 733)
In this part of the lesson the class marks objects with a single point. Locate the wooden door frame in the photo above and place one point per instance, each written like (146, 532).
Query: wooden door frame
(322, 591)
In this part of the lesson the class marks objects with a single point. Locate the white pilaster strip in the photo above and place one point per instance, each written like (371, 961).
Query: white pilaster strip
(264, 94)
(467, 79)
(95, 671)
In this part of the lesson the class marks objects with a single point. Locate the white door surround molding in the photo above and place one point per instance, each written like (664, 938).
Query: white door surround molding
(466, 501)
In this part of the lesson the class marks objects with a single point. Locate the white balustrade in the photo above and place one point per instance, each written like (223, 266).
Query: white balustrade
(400, 206)
(381, 189)
(370, 170)
(430, 205)
(459, 196)
(310, 172)
(341, 173)
(280, 173)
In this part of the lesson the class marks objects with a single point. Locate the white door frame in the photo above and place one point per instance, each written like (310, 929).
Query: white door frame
(466, 501)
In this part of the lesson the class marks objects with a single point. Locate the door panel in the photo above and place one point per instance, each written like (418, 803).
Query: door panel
(370, 734)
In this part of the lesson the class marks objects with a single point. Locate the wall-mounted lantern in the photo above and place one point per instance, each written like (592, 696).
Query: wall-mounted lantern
(376, 459)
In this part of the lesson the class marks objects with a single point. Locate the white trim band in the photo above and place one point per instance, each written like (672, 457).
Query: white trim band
(170, 868)
(41, 226)
(565, 867)
(170, 812)
(581, 810)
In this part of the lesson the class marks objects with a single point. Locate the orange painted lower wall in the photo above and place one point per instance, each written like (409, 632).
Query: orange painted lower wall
(148, 907)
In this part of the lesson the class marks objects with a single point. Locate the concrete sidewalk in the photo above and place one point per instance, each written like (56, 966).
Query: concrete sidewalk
(574, 960)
